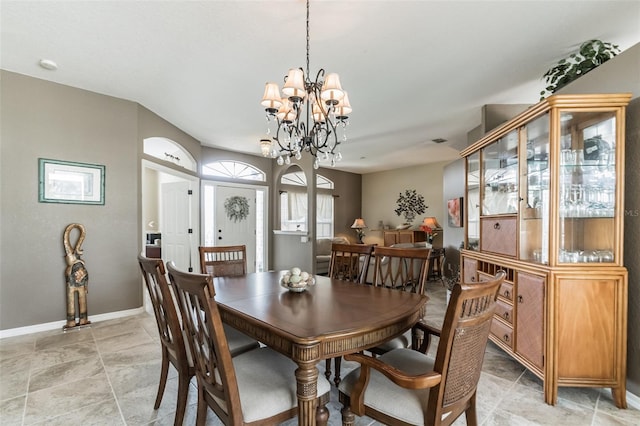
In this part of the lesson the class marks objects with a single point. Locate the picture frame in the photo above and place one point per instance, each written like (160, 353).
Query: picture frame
(69, 182)
(455, 212)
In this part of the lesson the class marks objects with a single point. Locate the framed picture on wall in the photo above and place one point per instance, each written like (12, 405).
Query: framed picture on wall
(70, 183)
(454, 212)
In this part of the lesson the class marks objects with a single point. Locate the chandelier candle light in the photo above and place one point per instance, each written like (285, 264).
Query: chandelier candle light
(325, 107)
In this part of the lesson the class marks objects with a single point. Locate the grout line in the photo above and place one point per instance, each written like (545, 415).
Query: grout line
(113, 392)
(26, 391)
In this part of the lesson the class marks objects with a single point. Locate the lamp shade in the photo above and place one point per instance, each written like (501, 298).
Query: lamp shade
(332, 91)
(431, 222)
(343, 109)
(358, 224)
(294, 85)
(271, 99)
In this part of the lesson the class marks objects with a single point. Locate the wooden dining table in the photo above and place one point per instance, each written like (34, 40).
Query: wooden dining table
(331, 318)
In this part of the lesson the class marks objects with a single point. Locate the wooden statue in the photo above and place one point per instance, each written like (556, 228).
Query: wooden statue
(76, 277)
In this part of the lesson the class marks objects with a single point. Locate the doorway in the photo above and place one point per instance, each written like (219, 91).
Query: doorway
(236, 214)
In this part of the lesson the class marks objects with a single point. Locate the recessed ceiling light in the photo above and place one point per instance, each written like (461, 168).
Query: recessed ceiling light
(438, 140)
(48, 64)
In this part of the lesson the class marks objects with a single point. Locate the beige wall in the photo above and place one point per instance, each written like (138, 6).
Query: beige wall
(380, 192)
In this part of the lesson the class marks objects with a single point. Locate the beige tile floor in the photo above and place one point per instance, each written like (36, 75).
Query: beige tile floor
(108, 375)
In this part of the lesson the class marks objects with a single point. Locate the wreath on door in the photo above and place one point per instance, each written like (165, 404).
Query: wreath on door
(237, 208)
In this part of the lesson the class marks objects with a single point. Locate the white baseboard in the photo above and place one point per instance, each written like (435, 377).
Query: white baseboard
(57, 325)
(633, 400)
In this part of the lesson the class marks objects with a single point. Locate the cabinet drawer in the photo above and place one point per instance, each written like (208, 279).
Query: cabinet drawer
(504, 311)
(506, 290)
(502, 332)
(498, 235)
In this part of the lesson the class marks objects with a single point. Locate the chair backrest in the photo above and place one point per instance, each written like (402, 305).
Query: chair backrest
(212, 357)
(223, 261)
(401, 268)
(462, 345)
(350, 262)
(164, 307)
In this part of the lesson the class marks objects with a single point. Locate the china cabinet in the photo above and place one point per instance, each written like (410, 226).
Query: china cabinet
(544, 202)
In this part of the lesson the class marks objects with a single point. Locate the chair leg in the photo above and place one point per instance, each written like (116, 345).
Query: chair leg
(183, 393)
(322, 415)
(348, 418)
(201, 416)
(336, 378)
(470, 413)
(163, 377)
(327, 369)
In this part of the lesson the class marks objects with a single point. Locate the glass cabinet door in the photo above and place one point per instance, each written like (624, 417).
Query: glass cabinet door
(587, 187)
(534, 192)
(473, 202)
(500, 176)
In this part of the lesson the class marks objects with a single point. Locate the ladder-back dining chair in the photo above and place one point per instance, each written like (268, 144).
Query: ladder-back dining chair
(349, 262)
(436, 265)
(407, 387)
(400, 269)
(175, 350)
(223, 261)
(256, 387)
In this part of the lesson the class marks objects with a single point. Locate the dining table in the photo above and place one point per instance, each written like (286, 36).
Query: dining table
(329, 319)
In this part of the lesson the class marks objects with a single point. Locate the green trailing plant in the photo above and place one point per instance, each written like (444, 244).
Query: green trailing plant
(592, 53)
(410, 204)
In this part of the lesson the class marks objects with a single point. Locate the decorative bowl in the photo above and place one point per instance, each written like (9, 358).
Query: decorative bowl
(296, 280)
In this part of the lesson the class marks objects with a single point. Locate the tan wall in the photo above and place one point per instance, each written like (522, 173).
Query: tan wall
(380, 192)
(42, 119)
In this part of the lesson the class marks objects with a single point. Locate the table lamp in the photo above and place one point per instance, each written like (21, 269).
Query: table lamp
(359, 225)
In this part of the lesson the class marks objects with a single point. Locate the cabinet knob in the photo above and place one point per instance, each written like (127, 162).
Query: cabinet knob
(507, 294)
(520, 299)
(506, 315)
(219, 238)
(496, 225)
(505, 337)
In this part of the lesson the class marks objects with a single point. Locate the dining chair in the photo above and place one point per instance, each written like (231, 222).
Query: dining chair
(228, 261)
(436, 265)
(172, 339)
(256, 387)
(349, 262)
(224, 261)
(407, 387)
(400, 269)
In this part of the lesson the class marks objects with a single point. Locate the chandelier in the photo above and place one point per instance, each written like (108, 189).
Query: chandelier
(307, 118)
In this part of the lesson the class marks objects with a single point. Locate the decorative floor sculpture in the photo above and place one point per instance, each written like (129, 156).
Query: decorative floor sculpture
(77, 279)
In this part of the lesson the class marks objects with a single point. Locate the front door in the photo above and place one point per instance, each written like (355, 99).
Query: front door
(235, 221)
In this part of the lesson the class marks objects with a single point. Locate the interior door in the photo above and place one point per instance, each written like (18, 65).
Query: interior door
(235, 220)
(175, 218)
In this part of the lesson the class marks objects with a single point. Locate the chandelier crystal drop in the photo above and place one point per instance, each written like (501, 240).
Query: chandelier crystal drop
(308, 117)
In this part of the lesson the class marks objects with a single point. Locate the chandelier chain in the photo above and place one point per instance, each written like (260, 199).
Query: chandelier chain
(308, 38)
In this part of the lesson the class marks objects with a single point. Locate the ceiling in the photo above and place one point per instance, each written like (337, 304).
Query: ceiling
(415, 70)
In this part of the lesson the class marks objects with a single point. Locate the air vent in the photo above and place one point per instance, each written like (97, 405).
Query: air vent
(438, 140)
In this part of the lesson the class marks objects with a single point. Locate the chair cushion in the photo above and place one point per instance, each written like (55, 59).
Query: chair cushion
(267, 383)
(238, 341)
(387, 397)
(399, 342)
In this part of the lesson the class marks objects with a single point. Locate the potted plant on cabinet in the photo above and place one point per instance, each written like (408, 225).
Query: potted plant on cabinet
(592, 53)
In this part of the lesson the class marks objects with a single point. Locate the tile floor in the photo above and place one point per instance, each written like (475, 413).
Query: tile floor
(108, 375)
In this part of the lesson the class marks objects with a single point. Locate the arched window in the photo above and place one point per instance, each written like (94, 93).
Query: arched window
(233, 170)
(168, 150)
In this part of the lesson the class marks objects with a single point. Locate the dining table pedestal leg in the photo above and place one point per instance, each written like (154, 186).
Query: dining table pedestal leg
(309, 413)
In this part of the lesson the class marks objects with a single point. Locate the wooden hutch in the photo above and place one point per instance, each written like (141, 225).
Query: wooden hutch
(545, 202)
